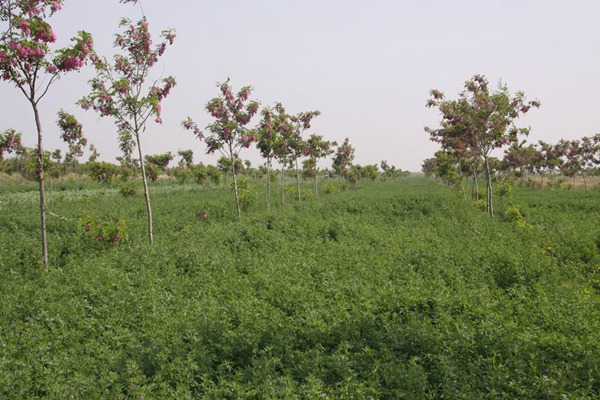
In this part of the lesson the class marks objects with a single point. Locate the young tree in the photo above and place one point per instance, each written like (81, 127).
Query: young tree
(268, 137)
(29, 63)
(520, 158)
(72, 134)
(187, 158)
(94, 155)
(272, 133)
(317, 148)
(343, 159)
(10, 141)
(120, 90)
(480, 120)
(296, 145)
(157, 164)
(228, 134)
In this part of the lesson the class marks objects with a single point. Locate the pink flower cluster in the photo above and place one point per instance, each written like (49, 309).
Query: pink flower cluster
(71, 64)
(24, 52)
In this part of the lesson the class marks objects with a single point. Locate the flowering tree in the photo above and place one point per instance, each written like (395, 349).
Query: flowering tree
(317, 148)
(269, 139)
(228, 134)
(72, 134)
(120, 90)
(28, 62)
(521, 158)
(296, 145)
(480, 121)
(343, 158)
(578, 156)
(187, 158)
(10, 141)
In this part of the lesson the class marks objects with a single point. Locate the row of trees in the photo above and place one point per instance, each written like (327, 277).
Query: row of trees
(123, 91)
(59, 165)
(568, 158)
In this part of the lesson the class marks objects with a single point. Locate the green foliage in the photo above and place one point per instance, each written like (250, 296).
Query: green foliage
(291, 192)
(102, 232)
(102, 172)
(504, 188)
(128, 189)
(393, 290)
(246, 193)
(513, 214)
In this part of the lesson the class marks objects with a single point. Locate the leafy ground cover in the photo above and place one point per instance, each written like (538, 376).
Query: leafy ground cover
(392, 290)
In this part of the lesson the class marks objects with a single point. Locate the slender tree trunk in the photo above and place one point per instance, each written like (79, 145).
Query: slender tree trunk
(146, 192)
(235, 187)
(268, 183)
(40, 174)
(282, 176)
(475, 189)
(461, 184)
(298, 179)
(584, 182)
(316, 188)
(489, 203)
(77, 179)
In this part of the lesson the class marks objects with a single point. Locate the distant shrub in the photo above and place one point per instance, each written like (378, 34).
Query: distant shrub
(505, 188)
(291, 192)
(128, 189)
(331, 187)
(559, 184)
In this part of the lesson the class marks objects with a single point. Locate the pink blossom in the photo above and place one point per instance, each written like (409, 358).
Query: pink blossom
(158, 120)
(55, 6)
(24, 26)
(70, 64)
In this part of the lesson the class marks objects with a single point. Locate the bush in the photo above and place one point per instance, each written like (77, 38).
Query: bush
(246, 194)
(128, 189)
(102, 233)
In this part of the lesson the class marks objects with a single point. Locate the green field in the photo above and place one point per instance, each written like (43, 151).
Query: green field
(392, 290)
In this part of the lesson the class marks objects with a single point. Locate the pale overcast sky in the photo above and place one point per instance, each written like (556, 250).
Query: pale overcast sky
(367, 66)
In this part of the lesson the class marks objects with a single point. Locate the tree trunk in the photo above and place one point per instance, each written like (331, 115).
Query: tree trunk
(268, 183)
(475, 189)
(235, 187)
(316, 188)
(146, 192)
(298, 179)
(488, 191)
(40, 174)
(77, 178)
(282, 176)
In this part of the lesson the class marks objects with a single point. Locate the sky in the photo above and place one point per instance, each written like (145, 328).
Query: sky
(367, 67)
